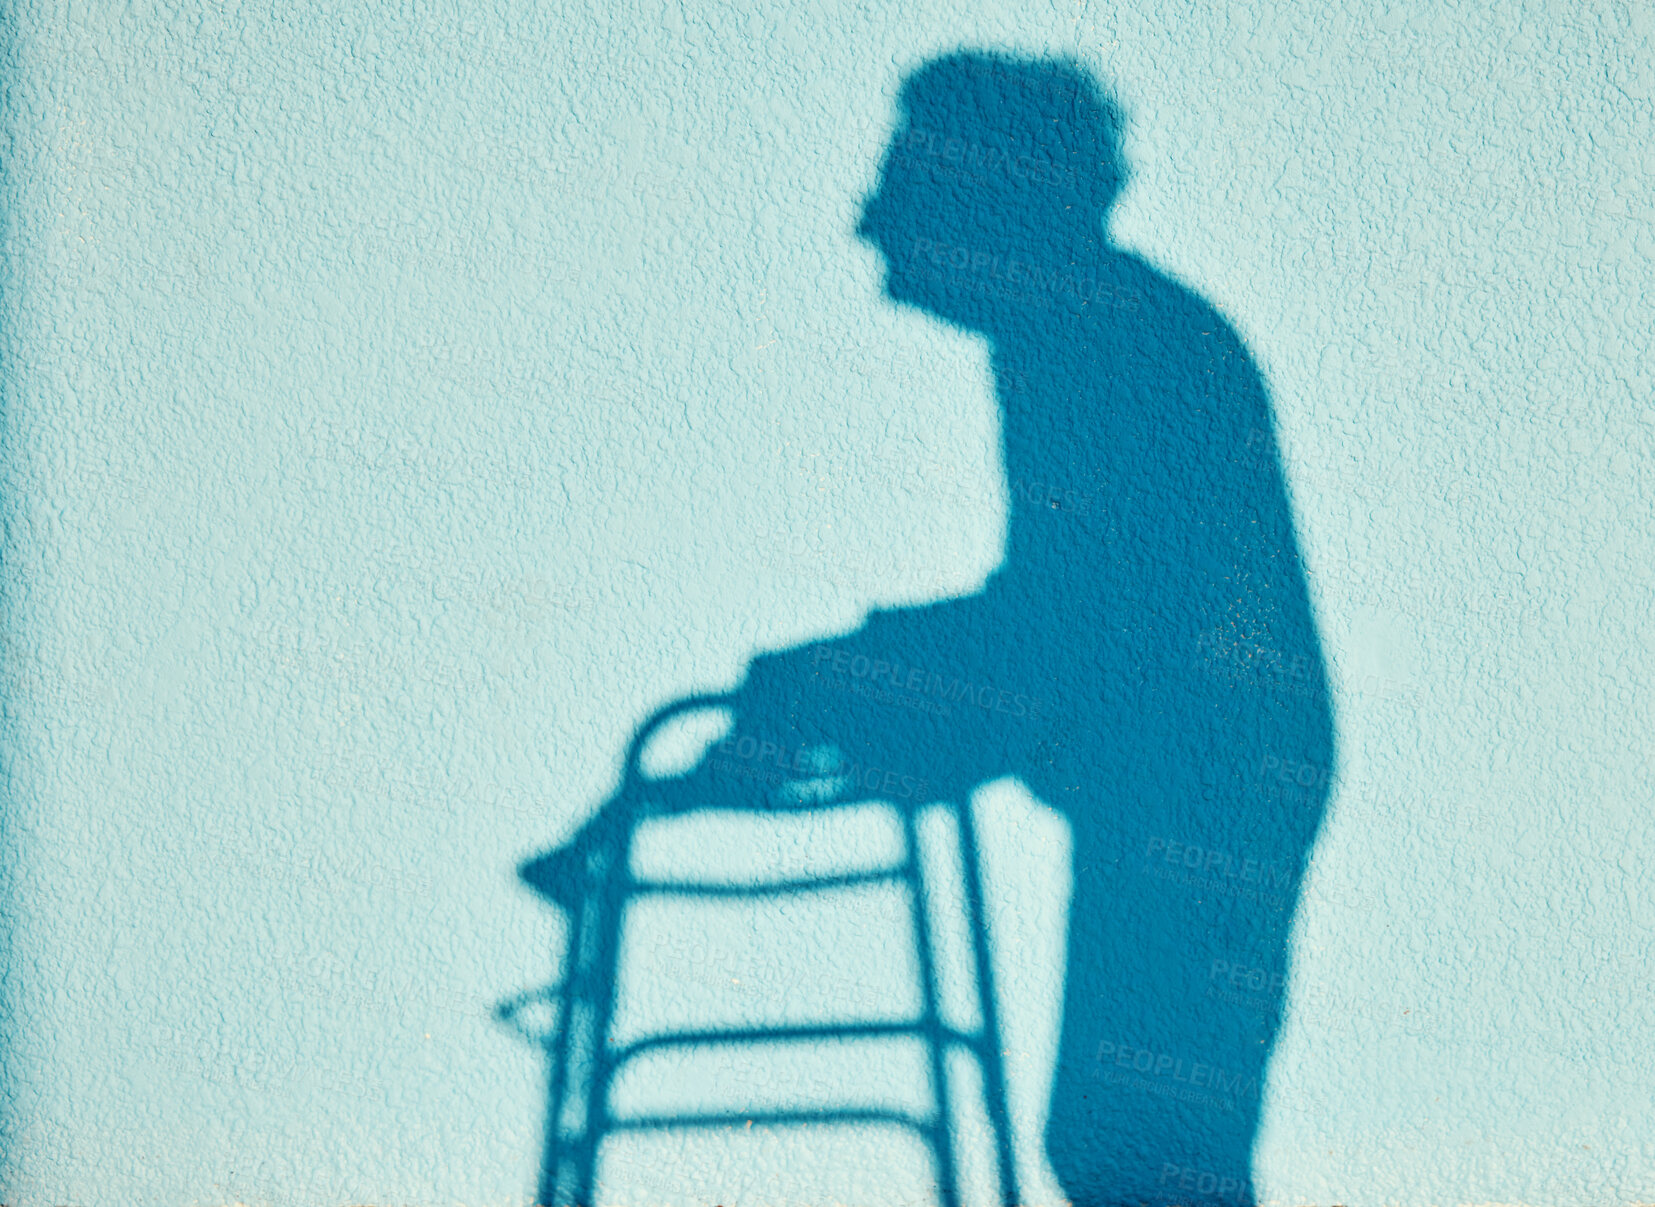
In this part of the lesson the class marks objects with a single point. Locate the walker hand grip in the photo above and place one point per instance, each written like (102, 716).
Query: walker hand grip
(659, 720)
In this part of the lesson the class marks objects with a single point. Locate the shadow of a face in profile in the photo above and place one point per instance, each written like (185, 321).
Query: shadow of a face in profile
(1144, 660)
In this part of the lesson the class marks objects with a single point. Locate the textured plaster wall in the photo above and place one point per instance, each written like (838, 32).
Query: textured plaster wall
(401, 401)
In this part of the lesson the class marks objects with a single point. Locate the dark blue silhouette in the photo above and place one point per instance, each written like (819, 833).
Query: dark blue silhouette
(1144, 660)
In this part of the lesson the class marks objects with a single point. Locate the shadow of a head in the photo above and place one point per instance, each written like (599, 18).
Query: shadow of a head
(1002, 170)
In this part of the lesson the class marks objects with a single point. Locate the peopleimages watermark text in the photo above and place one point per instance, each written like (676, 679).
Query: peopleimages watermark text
(927, 688)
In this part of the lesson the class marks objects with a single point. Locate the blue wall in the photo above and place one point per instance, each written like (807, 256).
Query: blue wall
(399, 407)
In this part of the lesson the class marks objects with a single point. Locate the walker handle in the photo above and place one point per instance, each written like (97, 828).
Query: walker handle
(660, 717)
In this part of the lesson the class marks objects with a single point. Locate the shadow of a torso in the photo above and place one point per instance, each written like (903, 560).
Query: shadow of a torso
(1145, 662)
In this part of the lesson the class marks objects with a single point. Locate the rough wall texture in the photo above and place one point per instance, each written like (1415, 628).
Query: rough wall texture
(400, 405)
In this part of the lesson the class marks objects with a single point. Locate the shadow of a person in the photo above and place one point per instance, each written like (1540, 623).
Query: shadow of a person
(1144, 660)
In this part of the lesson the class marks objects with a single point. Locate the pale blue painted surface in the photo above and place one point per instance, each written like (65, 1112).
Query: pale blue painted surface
(399, 407)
